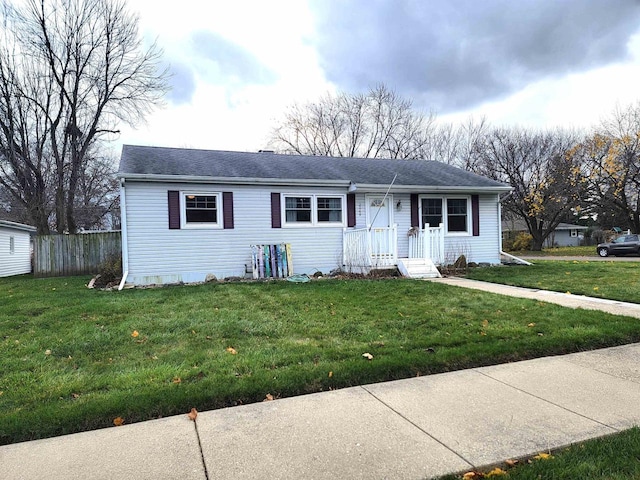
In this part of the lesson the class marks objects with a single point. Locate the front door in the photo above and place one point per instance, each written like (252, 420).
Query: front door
(379, 218)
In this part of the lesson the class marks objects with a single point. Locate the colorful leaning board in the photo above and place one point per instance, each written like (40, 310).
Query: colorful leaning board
(271, 261)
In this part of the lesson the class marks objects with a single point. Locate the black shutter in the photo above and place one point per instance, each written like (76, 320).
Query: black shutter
(475, 215)
(227, 210)
(173, 197)
(276, 220)
(415, 221)
(351, 209)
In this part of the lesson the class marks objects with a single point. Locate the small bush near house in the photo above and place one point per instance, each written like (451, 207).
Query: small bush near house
(598, 236)
(522, 242)
(109, 271)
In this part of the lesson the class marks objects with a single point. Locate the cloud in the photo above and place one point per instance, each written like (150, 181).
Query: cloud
(183, 83)
(456, 54)
(221, 60)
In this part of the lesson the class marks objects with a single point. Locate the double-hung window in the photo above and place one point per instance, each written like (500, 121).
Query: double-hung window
(313, 210)
(298, 209)
(329, 209)
(452, 212)
(201, 210)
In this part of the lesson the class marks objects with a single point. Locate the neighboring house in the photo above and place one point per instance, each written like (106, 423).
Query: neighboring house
(188, 214)
(15, 248)
(564, 235)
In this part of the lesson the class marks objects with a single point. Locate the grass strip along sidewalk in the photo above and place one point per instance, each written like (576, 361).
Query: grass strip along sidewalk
(612, 280)
(75, 359)
(615, 457)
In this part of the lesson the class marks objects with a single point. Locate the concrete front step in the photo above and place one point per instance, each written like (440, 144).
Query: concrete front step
(418, 268)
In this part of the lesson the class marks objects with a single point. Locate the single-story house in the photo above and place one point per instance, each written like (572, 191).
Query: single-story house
(15, 248)
(191, 214)
(564, 235)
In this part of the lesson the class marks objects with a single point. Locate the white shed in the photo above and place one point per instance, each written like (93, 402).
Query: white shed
(15, 248)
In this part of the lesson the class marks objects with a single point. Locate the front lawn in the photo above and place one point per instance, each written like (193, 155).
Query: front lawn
(583, 251)
(75, 359)
(602, 279)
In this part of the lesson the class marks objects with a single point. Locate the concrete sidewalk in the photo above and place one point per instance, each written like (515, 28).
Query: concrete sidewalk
(410, 429)
(565, 299)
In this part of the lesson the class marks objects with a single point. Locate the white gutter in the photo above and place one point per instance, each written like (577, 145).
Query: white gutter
(371, 187)
(125, 245)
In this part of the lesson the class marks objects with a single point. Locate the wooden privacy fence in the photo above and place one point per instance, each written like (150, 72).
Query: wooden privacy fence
(61, 255)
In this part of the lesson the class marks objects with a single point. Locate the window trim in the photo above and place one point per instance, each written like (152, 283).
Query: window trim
(314, 223)
(445, 213)
(201, 225)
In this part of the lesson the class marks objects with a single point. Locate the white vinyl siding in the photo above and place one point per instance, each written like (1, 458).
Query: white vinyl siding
(160, 255)
(15, 252)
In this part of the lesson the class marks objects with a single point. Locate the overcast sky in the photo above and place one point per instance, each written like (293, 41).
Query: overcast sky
(237, 65)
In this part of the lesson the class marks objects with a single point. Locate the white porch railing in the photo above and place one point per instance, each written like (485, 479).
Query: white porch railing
(370, 247)
(427, 243)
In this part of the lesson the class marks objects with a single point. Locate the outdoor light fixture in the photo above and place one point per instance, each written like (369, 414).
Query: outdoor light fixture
(352, 187)
(399, 205)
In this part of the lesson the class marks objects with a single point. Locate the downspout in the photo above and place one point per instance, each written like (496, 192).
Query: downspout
(508, 255)
(123, 233)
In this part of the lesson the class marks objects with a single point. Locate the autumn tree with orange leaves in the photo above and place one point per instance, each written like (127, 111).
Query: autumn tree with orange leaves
(611, 159)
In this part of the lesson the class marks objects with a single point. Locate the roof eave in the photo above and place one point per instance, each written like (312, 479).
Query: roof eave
(18, 226)
(145, 177)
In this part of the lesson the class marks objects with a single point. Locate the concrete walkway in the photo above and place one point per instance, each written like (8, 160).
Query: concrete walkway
(564, 299)
(411, 429)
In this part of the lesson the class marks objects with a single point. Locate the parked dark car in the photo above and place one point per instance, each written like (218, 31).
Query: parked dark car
(620, 246)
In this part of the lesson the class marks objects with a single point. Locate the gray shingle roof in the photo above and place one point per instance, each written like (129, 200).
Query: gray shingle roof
(149, 162)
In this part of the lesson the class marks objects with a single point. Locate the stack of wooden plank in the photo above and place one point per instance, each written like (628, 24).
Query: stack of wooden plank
(271, 261)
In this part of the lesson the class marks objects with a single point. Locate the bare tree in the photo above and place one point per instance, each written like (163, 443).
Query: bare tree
(547, 180)
(455, 144)
(379, 124)
(70, 71)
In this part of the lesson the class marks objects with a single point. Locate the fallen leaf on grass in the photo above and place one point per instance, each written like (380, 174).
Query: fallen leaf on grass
(330, 374)
(135, 334)
(543, 456)
(471, 475)
(47, 352)
(531, 325)
(485, 323)
(232, 351)
(268, 398)
(177, 380)
(511, 463)
(368, 356)
(192, 414)
(495, 473)
(118, 421)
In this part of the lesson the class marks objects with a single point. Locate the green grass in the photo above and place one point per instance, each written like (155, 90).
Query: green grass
(616, 457)
(601, 279)
(70, 362)
(585, 251)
